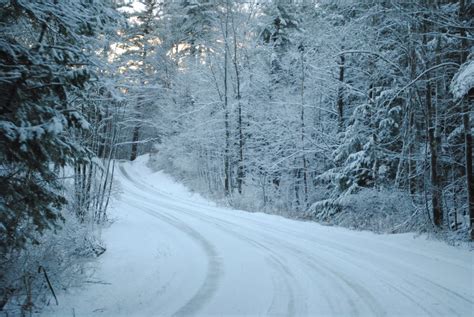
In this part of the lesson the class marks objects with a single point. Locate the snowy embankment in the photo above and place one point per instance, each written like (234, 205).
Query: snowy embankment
(171, 252)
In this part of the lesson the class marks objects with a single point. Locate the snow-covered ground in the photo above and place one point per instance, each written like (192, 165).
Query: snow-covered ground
(171, 252)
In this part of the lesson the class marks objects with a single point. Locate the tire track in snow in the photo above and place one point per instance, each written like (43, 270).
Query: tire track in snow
(357, 253)
(202, 206)
(214, 271)
(414, 294)
(345, 254)
(225, 227)
(337, 280)
(323, 270)
(358, 292)
(276, 261)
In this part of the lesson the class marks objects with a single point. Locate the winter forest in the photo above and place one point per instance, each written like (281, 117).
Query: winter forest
(352, 113)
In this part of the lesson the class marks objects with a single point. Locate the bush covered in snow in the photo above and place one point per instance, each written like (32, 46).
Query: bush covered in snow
(32, 276)
(379, 210)
(385, 211)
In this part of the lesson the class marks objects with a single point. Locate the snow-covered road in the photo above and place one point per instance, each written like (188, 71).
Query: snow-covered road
(172, 253)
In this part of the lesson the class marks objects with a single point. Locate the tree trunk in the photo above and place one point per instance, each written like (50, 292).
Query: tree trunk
(240, 167)
(340, 94)
(412, 177)
(240, 172)
(297, 188)
(435, 178)
(135, 136)
(226, 110)
(469, 170)
(303, 157)
(467, 129)
(433, 140)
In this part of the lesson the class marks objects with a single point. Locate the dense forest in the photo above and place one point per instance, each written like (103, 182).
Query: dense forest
(352, 113)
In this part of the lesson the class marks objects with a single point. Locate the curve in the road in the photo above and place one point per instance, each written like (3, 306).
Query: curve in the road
(353, 292)
(425, 286)
(283, 277)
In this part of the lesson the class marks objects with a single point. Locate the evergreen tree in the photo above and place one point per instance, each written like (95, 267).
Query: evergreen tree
(46, 62)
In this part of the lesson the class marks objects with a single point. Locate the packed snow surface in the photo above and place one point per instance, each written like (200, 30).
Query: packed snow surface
(172, 253)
